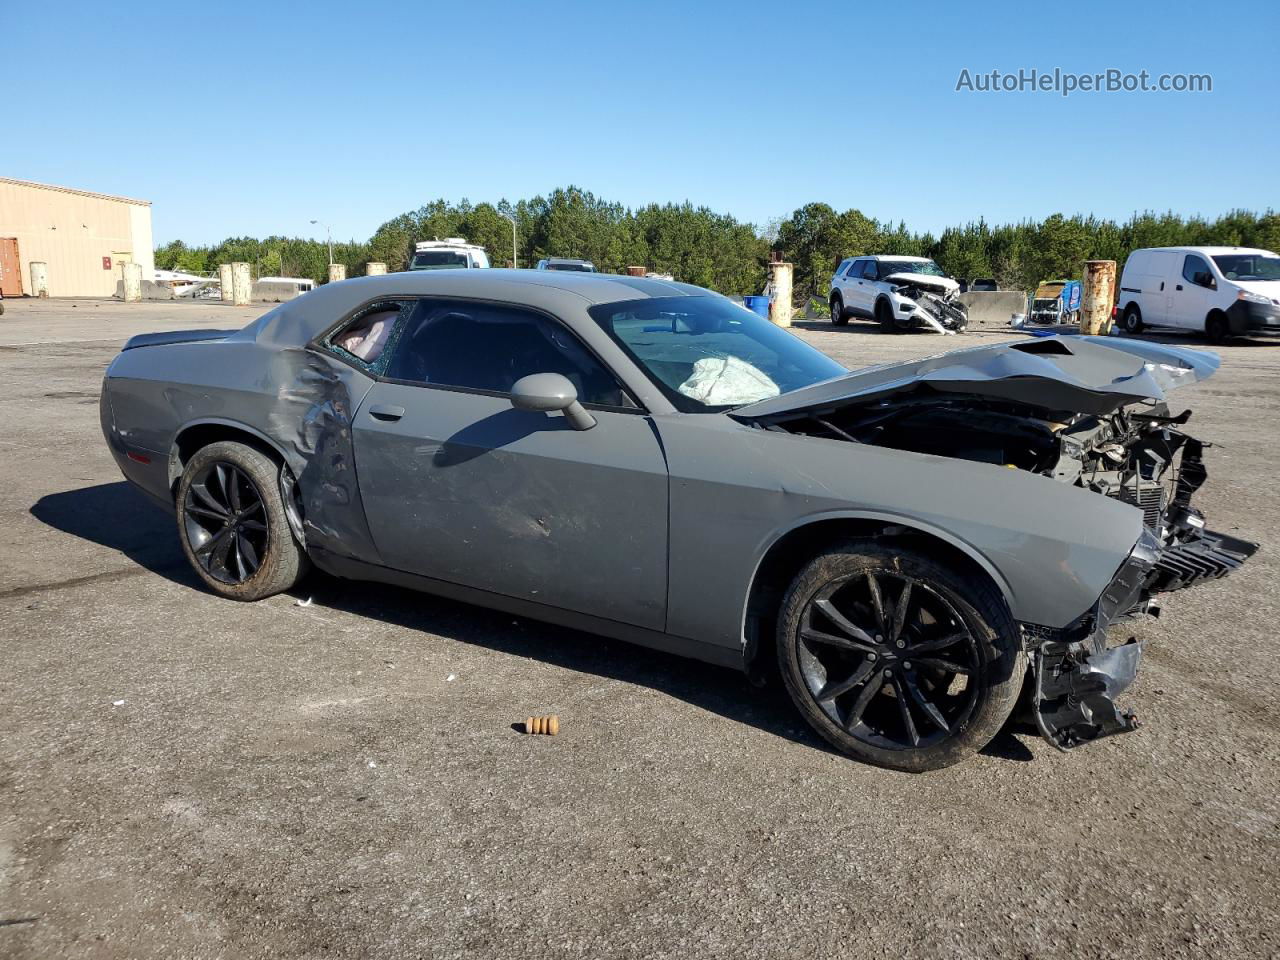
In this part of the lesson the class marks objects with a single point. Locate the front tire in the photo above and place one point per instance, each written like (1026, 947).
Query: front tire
(232, 523)
(884, 317)
(896, 659)
(1216, 328)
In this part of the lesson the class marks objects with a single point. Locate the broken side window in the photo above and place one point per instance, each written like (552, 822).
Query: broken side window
(364, 340)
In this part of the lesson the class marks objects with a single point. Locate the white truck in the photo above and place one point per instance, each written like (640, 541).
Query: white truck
(448, 254)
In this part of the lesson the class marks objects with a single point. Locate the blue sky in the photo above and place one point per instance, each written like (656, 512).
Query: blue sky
(255, 119)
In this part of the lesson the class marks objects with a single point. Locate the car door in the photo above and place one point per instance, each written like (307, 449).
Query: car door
(1189, 303)
(460, 486)
(861, 294)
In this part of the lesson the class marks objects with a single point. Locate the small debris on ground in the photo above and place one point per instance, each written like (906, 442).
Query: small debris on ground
(549, 725)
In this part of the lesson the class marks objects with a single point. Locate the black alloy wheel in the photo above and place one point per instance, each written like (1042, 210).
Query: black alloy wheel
(888, 659)
(226, 522)
(896, 658)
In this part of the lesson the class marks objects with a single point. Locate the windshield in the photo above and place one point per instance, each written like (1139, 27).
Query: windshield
(577, 267)
(927, 267)
(708, 354)
(1249, 266)
(438, 260)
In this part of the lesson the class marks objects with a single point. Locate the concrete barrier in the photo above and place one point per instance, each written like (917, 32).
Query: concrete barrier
(150, 291)
(224, 281)
(337, 272)
(39, 279)
(375, 268)
(993, 308)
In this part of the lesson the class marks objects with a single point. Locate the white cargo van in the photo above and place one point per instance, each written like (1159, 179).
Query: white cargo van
(1222, 291)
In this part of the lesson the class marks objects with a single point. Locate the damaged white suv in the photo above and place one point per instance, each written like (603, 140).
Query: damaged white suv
(899, 293)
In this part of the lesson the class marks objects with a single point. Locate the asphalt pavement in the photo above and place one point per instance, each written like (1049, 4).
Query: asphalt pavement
(338, 771)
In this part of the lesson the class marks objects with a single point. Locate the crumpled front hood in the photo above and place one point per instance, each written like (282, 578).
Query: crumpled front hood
(1096, 375)
(928, 280)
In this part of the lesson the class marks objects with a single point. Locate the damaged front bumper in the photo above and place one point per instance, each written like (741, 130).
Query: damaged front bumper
(1076, 676)
(926, 309)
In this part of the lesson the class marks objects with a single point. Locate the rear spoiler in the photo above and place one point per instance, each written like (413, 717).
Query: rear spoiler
(176, 336)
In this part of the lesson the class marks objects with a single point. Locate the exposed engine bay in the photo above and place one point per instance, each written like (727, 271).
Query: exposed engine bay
(1131, 455)
(1137, 454)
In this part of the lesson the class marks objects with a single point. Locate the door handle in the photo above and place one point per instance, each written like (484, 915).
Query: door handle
(1178, 287)
(380, 411)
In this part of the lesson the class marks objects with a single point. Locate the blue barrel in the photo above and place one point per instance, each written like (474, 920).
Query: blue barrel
(758, 305)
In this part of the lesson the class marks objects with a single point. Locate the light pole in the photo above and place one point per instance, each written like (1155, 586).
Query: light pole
(514, 260)
(328, 237)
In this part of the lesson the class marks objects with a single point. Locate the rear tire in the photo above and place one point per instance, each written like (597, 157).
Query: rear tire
(838, 316)
(916, 689)
(1216, 328)
(1132, 321)
(232, 523)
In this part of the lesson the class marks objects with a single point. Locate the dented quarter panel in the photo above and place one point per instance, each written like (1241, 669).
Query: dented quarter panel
(296, 399)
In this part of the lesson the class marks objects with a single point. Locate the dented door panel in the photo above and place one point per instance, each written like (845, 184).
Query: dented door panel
(464, 488)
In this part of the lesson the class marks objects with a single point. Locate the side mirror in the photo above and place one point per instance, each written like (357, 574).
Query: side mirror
(548, 393)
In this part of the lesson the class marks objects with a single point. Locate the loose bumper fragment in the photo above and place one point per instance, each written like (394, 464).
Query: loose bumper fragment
(1077, 678)
(1076, 691)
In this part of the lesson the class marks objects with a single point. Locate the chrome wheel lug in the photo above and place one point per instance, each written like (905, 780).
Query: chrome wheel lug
(900, 644)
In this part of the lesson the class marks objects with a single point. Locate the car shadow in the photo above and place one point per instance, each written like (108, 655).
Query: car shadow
(718, 690)
(116, 516)
(826, 326)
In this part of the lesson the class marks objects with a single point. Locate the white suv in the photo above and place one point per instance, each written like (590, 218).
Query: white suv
(900, 293)
(1224, 291)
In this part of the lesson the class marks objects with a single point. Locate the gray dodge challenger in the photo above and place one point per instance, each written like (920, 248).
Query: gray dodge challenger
(916, 549)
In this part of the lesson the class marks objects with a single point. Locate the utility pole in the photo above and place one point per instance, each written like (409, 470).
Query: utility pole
(514, 259)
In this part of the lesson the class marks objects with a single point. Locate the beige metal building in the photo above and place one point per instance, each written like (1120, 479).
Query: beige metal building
(84, 238)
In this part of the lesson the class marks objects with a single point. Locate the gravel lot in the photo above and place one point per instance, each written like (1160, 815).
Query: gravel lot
(182, 776)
